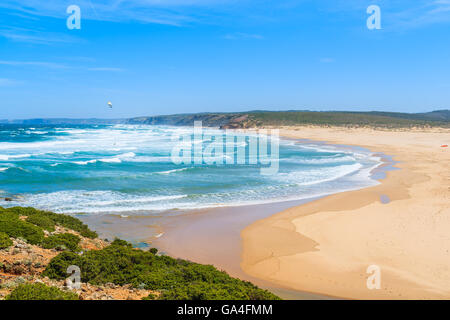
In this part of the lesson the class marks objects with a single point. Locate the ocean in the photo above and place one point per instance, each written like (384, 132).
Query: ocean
(98, 169)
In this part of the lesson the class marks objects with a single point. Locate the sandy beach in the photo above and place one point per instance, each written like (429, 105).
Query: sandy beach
(316, 249)
(401, 225)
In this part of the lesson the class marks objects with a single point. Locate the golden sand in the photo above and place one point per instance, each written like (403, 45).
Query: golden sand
(326, 246)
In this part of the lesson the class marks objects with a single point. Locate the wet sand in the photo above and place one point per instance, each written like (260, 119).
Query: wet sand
(208, 236)
(213, 237)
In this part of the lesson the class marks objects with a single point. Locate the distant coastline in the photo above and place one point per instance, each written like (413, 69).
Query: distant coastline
(257, 118)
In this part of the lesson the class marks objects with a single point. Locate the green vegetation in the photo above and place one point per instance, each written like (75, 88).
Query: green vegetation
(32, 228)
(120, 264)
(208, 119)
(42, 221)
(216, 291)
(347, 119)
(438, 115)
(46, 219)
(39, 291)
(64, 240)
(5, 241)
(253, 119)
(16, 228)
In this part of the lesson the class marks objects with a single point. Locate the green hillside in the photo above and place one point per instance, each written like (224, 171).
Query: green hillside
(289, 118)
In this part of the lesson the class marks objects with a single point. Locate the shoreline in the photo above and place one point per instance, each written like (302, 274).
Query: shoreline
(325, 246)
(213, 235)
(196, 235)
(290, 247)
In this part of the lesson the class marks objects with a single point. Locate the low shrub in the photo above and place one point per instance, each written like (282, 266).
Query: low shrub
(42, 217)
(21, 211)
(72, 223)
(39, 291)
(5, 241)
(216, 291)
(57, 268)
(18, 228)
(42, 221)
(151, 296)
(7, 215)
(120, 264)
(68, 240)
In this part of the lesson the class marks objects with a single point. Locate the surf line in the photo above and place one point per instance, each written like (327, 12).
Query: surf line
(256, 147)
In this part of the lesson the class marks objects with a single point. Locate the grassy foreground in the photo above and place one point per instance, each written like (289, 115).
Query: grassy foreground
(116, 265)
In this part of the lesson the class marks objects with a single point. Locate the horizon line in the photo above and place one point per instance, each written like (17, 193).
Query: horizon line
(210, 112)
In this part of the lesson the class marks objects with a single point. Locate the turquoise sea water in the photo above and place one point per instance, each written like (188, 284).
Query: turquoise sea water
(128, 168)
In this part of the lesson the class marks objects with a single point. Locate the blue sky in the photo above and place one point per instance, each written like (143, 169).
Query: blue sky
(172, 56)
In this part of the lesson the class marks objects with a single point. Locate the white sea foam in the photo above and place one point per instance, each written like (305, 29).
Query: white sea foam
(96, 201)
(85, 162)
(172, 171)
(116, 159)
(316, 176)
(334, 169)
(120, 200)
(322, 160)
(111, 160)
(5, 157)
